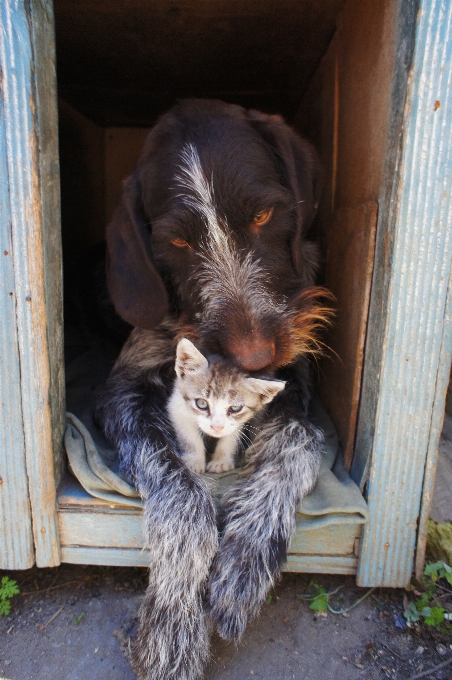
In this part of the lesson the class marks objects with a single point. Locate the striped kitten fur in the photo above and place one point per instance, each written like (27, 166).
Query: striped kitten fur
(215, 398)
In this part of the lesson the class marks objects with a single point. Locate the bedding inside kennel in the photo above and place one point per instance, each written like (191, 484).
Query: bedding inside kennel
(338, 72)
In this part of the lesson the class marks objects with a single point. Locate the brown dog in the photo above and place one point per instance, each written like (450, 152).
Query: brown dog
(209, 239)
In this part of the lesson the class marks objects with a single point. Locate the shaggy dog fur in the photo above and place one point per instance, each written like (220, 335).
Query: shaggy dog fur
(208, 242)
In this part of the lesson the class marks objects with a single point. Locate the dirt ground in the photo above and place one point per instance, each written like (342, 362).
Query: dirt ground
(74, 622)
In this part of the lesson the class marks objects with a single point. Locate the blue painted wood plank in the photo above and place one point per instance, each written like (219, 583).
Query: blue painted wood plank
(93, 531)
(414, 356)
(113, 557)
(321, 564)
(47, 467)
(442, 384)
(116, 557)
(114, 529)
(16, 540)
(122, 529)
(34, 223)
(42, 32)
(404, 32)
(120, 557)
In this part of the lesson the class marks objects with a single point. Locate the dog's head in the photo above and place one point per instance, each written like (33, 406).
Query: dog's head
(211, 227)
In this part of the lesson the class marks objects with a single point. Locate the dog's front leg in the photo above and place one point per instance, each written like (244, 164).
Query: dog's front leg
(179, 520)
(259, 517)
(179, 526)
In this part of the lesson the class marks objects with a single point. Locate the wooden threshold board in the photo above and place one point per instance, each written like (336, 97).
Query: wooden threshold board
(93, 531)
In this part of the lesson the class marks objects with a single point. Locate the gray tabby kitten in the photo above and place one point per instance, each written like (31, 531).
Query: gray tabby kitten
(216, 398)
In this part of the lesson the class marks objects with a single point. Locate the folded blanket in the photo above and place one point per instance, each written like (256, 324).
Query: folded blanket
(335, 499)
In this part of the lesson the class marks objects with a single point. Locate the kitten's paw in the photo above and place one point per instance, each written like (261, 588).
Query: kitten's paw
(220, 466)
(195, 465)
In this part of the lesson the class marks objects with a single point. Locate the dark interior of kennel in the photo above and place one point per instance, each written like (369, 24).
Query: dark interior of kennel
(325, 66)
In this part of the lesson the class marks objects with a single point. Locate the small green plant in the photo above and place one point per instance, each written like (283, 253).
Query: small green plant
(8, 588)
(320, 599)
(439, 570)
(421, 610)
(412, 614)
(79, 618)
(435, 616)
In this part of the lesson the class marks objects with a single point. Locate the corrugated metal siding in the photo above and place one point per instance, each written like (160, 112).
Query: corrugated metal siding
(435, 433)
(16, 541)
(414, 351)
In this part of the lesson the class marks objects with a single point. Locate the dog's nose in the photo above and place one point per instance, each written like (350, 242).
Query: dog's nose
(252, 355)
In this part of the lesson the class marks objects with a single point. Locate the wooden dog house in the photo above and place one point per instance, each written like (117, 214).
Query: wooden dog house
(368, 82)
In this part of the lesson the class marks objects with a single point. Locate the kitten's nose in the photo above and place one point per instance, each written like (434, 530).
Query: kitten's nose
(217, 428)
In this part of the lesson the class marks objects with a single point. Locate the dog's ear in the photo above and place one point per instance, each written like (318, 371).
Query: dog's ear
(302, 173)
(135, 287)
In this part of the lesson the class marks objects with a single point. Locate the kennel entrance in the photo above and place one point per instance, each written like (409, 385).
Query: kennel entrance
(366, 81)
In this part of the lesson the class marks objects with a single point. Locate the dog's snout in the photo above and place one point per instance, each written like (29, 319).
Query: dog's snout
(252, 354)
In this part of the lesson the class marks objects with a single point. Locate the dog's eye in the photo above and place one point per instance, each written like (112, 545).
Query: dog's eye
(202, 404)
(179, 242)
(262, 217)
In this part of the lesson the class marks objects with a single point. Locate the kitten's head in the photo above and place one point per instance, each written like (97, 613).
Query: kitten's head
(220, 397)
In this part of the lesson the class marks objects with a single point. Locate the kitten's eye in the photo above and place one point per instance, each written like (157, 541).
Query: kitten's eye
(202, 404)
(262, 217)
(235, 409)
(179, 243)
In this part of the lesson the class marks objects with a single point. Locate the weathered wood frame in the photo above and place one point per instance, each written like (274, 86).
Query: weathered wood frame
(409, 337)
(32, 369)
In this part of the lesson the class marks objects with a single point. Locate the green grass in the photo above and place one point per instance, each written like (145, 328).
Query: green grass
(8, 588)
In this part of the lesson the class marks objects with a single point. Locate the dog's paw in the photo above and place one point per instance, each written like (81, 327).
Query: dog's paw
(220, 466)
(227, 602)
(238, 584)
(230, 622)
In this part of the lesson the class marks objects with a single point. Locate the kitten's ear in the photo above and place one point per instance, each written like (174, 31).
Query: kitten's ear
(189, 359)
(268, 389)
